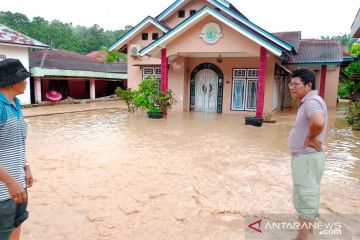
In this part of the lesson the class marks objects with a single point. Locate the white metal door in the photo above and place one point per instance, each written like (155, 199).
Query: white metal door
(276, 94)
(206, 88)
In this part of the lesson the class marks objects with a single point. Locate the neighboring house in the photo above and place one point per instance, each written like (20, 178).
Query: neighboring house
(16, 45)
(355, 27)
(355, 33)
(216, 60)
(73, 75)
(98, 55)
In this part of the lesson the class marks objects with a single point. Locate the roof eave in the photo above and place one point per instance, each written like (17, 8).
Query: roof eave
(207, 10)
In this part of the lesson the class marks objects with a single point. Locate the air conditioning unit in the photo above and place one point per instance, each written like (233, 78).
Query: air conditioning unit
(135, 50)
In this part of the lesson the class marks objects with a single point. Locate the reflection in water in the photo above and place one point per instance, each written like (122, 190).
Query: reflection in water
(109, 175)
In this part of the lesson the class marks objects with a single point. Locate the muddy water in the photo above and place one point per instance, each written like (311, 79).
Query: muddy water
(105, 174)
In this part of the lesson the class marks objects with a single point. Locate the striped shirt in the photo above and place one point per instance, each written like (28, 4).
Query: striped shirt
(13, 131)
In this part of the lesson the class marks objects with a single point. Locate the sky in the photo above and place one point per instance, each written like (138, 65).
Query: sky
(314, 18)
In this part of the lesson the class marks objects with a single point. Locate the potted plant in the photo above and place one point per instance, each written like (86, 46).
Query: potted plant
(254, 121)
(268, 118)
(148, 97)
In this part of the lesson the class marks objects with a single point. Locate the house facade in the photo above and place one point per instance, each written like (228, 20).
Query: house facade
(215, 59)
(73, 75)
(16, 45)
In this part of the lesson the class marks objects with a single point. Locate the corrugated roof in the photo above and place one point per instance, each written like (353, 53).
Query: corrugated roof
(67, 60)
(318, 51)
(98, 55)
(292, 38)
(10, 36)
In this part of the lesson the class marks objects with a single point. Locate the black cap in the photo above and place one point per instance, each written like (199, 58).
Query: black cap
(12, 71)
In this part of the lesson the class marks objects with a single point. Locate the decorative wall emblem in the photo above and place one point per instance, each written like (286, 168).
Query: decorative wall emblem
(211, 33)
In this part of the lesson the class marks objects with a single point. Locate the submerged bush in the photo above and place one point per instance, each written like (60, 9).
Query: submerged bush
(354, 115)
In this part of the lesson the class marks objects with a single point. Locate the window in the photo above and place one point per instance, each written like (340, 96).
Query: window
(156, 71)
(244, 90)
(192, 12)
(218, 9)
(145, 36)
(155, 36)
(181, 13)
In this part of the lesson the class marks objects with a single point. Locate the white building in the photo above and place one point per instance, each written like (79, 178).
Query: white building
(16, 45)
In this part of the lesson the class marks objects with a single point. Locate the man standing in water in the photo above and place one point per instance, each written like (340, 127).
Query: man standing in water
(305, 142)
(15, 174)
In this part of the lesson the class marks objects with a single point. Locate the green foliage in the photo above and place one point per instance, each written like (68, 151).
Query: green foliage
(148, 97)
(350, 88)
(148, 93)
(128, 96)
(345, 39)
(354, 115)
(115, 56)
(354, 50)
(155, 110)
(62, 35)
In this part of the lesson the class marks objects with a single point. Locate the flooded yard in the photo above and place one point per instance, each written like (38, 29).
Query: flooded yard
(104, 174)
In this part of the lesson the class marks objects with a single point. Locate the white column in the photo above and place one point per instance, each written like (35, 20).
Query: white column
(37, 89)
(92, 89)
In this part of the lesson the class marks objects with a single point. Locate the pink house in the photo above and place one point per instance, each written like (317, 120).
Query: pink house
(216, 60)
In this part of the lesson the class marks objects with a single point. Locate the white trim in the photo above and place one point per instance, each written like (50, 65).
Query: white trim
(233, 93)
(247, 92)
(225, 20)
(225, 6)
(23, 45)
(136, 30)
(41, 72)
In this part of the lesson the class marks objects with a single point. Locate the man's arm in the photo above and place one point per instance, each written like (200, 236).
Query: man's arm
(16, 191)
(317, 123)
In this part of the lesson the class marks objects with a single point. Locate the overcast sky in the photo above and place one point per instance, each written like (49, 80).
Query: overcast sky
(314, 18)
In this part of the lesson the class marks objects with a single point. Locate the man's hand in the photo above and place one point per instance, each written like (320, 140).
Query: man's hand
(17, 192)
(314, 143)
(28, 177)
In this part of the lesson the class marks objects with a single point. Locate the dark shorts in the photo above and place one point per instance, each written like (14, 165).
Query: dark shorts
(12, 215)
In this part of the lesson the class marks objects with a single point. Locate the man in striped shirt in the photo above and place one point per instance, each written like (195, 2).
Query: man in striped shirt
(15, 174)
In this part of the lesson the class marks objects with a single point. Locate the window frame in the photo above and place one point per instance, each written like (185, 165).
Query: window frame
(247, 76)
(145, 36)
(155, 34)
(181, 13)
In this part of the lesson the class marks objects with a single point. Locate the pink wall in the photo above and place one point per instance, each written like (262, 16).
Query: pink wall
(190, 41)
(135, 72)
(173, 19)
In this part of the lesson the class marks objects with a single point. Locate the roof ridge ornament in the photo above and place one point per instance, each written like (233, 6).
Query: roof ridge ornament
(211, 33)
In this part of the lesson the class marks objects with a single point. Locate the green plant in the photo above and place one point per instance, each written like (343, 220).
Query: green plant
(149, 95)
(267, 116)
(128, 96)
(155, 110)
(353, 117)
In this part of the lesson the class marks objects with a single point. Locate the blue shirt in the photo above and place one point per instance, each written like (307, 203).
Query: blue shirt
(13, 131)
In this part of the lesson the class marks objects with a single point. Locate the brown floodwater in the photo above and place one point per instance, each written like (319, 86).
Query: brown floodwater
(105, 174)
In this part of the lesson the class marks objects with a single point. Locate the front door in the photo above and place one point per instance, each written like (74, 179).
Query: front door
(206, 90)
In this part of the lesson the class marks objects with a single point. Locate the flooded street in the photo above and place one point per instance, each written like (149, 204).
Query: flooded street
(105, 174)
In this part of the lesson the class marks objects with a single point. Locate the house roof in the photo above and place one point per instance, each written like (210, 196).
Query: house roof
(313, 51)
(251, 33)
(135, 30)
(293, 38)
(9, 36)
(355, 27)
(98, 55)
(179, 3)
(67, 60)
